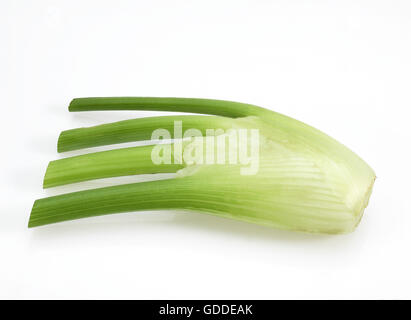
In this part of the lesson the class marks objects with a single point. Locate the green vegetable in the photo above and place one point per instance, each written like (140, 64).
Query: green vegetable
(306, 180)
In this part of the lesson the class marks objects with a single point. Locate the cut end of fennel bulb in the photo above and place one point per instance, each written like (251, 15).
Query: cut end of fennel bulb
(306, 181)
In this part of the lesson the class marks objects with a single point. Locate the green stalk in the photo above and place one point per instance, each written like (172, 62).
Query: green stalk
(134, 130)
(105, 164)
(131, 197)
(206, 106)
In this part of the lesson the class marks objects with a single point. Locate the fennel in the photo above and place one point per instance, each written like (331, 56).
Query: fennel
(306, 181)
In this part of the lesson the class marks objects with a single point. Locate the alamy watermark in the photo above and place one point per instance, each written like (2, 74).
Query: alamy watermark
(217, 146)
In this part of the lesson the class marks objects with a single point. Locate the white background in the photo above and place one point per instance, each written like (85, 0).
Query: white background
(341, 66)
